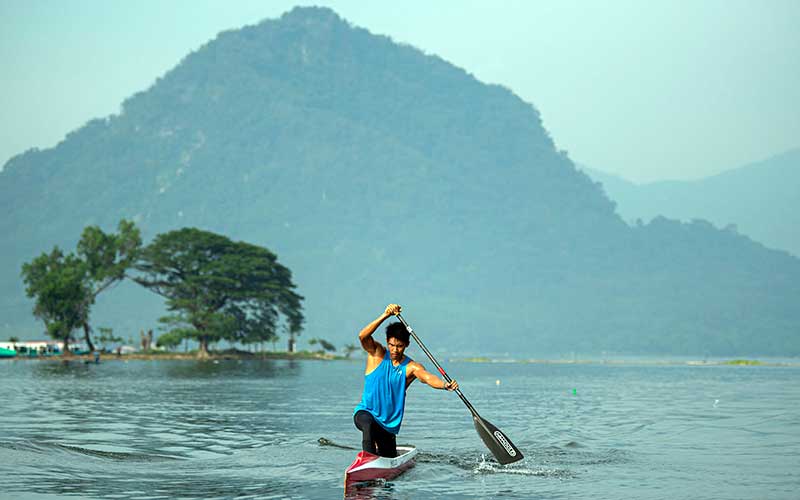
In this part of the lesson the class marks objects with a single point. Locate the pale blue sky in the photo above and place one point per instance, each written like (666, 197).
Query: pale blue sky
(644, 89)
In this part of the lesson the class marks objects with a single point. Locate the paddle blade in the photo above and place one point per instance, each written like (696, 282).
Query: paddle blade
(498, 443)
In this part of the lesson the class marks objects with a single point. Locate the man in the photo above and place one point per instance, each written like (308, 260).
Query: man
(388, 374)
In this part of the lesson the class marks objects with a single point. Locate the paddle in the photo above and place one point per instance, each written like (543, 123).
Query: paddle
(498, 443)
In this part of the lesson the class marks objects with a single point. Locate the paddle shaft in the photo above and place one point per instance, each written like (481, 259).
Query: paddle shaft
(498, 443)
(438, 366)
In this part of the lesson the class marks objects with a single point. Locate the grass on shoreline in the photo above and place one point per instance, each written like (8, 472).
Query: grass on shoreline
(228, 354)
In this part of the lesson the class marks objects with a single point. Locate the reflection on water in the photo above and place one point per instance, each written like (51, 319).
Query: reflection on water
(192, 369)
(266, 368)
(251, 429)
(62, 369)
(370, 490)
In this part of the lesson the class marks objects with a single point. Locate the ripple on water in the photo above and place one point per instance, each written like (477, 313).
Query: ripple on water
(192, 430)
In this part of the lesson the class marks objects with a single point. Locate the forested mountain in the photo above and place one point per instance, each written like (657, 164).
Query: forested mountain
(378, 173)
(761, 199)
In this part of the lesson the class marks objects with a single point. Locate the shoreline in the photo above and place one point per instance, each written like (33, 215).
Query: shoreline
(631, 362)
(317, 356)
(183, 356)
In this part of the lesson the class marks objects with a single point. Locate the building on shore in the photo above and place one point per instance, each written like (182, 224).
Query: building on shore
(35, 348)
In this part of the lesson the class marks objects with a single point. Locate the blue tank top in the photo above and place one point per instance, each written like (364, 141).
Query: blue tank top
(385, 393)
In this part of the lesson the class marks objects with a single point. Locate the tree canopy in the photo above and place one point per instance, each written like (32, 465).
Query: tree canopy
(57, 283)
(219, 289)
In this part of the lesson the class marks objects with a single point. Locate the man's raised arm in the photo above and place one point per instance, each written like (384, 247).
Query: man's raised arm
(365, 336)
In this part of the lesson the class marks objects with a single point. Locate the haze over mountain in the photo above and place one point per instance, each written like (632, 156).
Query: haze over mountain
(378, 173)
(762, 199)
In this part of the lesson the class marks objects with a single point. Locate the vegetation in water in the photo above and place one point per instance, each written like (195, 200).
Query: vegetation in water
(743, 362)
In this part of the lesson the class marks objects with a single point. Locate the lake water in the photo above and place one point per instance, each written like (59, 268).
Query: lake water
(251, 429)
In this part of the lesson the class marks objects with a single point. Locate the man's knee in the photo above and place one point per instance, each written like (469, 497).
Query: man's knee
(364, 420)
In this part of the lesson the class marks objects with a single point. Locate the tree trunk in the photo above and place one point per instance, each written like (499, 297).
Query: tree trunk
(291, 343)
(65, 349)
(203, 352)
(87, 336)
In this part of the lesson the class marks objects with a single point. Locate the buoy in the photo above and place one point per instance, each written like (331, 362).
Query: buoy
(497, 382)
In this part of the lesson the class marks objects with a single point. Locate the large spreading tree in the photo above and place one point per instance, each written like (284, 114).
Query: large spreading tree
(218, 289)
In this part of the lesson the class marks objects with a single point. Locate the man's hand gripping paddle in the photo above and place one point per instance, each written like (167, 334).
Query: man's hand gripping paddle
(498, 443)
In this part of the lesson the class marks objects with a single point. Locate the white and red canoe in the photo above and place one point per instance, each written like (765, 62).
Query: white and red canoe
(368, 467)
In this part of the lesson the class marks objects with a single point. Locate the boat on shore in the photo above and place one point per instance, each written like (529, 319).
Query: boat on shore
(370, 467)
(7, 353)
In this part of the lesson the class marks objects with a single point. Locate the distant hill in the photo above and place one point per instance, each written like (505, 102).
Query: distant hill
(378, 173)
(761, 199)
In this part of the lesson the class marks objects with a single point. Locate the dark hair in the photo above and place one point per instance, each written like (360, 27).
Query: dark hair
(398, 331)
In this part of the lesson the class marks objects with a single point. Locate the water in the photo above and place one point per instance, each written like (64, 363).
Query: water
(186, 429)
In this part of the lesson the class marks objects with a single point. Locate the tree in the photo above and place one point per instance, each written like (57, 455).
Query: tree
(66, 286)
(58, 284)
(324, 344)
(219, 289)
(179, 327)
(171, 339)
(13, 341)
(349, 349)
(259, 337)
(107, 258)
(107, 337)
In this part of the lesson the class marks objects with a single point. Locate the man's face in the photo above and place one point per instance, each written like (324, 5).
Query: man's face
(396, 348)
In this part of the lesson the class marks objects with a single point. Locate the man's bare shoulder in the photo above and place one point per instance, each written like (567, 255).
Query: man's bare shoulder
(378, 351)
(414, 367)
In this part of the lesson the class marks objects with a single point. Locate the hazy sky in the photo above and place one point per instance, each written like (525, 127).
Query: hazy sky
(644, 89)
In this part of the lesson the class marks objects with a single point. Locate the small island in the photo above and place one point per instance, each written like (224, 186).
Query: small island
(215, 289)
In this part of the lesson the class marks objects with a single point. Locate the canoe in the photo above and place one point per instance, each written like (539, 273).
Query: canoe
(368, 467)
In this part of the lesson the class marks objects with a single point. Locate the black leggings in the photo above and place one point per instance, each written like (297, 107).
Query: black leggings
(375, 439)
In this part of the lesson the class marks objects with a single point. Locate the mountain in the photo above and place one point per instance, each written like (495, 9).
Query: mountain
(761, 199)
(380, 174)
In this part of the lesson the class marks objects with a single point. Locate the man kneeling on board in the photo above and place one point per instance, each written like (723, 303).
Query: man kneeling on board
(388, 374)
